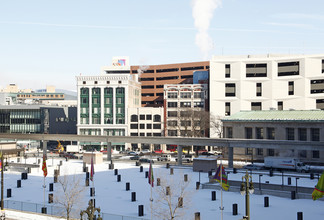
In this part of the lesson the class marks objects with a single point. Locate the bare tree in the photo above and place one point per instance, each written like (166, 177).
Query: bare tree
(69, 194)
(216, 126)
(172, 198)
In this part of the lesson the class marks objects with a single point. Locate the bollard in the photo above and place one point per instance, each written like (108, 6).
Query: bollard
(111, 166)
(180, 202)
(118, 178)
(92, 191)
(51, 187)
(50, 198)
(185, 178)
(87, 182)
(56, 173)
(55, 179)
(29, 169)
(266, 201)
(93, 202)
(213, 195)
(146, 174)
(234, 212)
(167, 190)
(289, 180)
(18, 183)
(197, 185)
(137, 163)
(158, 182)
(141, 168)
(133, 196)
(140, 210)
(87, 175)
(85, 169)
(167, 165)
(311, 176)
(293, 195)
(270, 172)
(44, 211)
(234, 170)
(197, 215)
(84, 166)
(299, 216)
(61, 162)
(171, 171)
(127, 186)
(8, 193)
(116, 172)
(210, 173)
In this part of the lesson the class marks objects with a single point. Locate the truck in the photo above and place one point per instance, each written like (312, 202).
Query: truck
(285, 163)
(164, 157)
(186, 158)
(74, 149)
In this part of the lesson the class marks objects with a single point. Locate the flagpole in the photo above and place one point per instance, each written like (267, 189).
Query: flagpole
(151, 199)
(221, 179)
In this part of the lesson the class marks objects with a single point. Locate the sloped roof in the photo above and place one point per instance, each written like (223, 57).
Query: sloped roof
(276, 115)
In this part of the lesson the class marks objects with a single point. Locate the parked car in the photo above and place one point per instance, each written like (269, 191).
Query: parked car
(253, 167)
(133, 153)
(136, 157)
(68, 155)
(145, 160)
(164, 157)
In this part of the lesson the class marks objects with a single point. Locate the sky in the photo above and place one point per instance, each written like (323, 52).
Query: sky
(46, 42)
(112, 197)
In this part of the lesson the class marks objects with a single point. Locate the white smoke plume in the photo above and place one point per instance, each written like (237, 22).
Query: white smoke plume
(142, 69)
(202, 12)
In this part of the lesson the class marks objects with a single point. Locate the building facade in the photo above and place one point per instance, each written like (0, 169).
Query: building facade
(266, 82)
(292, 125)
(154, 77)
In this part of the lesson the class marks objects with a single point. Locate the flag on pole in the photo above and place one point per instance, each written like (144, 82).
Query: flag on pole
(44, 167)
(0, 161)
(60, 148)
(150, 175)
(92, 169)
(319, 188)
(220, 173)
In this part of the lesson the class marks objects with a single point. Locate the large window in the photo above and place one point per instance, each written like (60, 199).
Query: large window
(230, 89)
(317, 86)
(227, 108)
(302, 134)
(270, 133)
(290, 134)
(259, 133)
(248, 133)
(280, 105)
(259, 89)
(291, 88)
(157, 118)
(256, 70)
(172, 95)
(227, 70)
(172, 113)
(185, 104)
(315, 134)
(229, 132)
(256, 106)
(185, 95)
(172, 133)
(288, 68)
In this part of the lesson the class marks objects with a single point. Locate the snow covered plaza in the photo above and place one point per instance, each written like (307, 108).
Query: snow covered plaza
(115, 201)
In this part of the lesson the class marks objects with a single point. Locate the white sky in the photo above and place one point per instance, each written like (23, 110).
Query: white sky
(50, 42)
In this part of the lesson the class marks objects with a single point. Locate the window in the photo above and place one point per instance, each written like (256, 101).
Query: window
(315, 134)
(146, 79)
(134, 118)
(288, 68)
(320, 104)
(198, 95)
(259, 133)
(134, 126)
(248, 133)
(192, 68)
(322, 66)
(259, 151)
(291, 88)
(198, 104)
(133, 134)
(315, 154)
(156, 126)
(148, 87)
(256, 70)
(302, 134)
(317, 86)
(167, 78)
(172, 104)
(271, 152)
(172, 113)
(120, 90)
(259, 89)
(230, 89)
(280, 105)
(167, 70)
(148, 134)
(185, 104)
(142, 126)
(172, 133)
(185, 114)
(271, 133)
(227, 70)
(148, 126)
(290, 134)
(84, 82)
(256, 106)
(142, 117)
(157, 118)
(185, 95)
(229, 132)
(172, 123)
(142, 134)
(248, 151)
(148, 117)
(157, 134)
(227, 108)
(185, 123)
(172, 95)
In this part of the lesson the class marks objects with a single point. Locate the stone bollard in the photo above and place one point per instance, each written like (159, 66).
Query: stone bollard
(116, 172)
(111, 166)
(8, 193)
(141, 210)
(289, 180)
(51, 187)
(61, 162)
(171, 171)
(133, 196)
(234, 212)
(299, 215)
(158, 181)
(293, 195)
(185, 178)
(55, 179)
(146, 174)
(18, 183)
(44, 210)
(50, 198)
(213, 195)
(87, 175)
(270, 172)
(118, 178)
(141, 168)
(197, 215)
(93, 202)
(127, 186)
(167, 165)
(92, 191)
(197, 185)
(266, 201)
(86, 182)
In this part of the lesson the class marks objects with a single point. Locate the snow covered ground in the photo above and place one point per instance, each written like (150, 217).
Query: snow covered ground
(112, 197)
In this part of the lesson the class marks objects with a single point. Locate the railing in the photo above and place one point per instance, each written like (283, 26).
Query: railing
(59, 211)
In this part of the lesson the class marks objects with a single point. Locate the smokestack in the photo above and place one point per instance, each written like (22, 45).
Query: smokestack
(202, 12)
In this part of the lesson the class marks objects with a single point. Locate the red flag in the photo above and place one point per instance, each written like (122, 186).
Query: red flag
(150, 175)
(92, 169)
(44, 168)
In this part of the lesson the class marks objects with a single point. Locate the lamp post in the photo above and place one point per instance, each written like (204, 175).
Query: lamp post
(247, 189)
(260, 175)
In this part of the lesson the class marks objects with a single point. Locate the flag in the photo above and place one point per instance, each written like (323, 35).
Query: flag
(0, 161)
(60, 147)
(319, 188)
(92, 169)
(44, 168)
(150, 175)
(221, 174)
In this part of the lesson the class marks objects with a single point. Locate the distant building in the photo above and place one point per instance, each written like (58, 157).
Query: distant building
(293, 125)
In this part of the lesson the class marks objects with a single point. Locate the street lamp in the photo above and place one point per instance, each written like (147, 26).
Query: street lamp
(247, 189)
(260, 175)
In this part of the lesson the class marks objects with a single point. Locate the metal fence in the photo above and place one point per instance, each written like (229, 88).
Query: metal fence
(59, 211)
